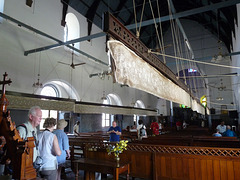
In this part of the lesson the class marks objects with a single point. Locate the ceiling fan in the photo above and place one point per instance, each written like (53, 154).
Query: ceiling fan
(221, 87)
(72, 65)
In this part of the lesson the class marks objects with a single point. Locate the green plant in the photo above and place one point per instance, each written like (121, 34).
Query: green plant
(117, 148)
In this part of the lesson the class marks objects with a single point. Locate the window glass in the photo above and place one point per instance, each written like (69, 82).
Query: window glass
(46, 114)
(72, 28)
(49, 90)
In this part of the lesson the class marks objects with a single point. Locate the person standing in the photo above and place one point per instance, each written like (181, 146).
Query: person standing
(48, 149)
(29, 128)
(221, 127)
(141, 130)
(76, 129)
(115, 132)
(63, 144)
(154, 127)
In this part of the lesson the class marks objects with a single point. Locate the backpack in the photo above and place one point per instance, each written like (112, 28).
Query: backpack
(23, 125)
(142, 131)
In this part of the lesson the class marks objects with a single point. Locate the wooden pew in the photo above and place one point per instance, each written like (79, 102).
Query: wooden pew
(127, 135)
(209, 141)
(167, 140)
(204, 141)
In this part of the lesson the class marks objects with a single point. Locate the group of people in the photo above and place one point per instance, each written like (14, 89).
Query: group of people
(51, 146)
(223, 130)
(115, 131)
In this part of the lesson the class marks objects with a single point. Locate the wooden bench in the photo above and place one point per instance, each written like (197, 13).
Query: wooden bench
(204, 141)
(209, 141)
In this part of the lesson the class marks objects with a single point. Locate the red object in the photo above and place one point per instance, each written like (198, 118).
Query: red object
(178, 123)
(155, 128)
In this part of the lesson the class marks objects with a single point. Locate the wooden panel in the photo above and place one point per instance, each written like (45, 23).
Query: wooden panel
(236, 167)
(168, 166)
(216, 169)
(223, 168)
(180, 167)
(191, 169)
(141, 164)
(230, 171)
(174, 167)
(204, 169)
(197, 167)
(209, 169)
(163, 167)
(185, 168)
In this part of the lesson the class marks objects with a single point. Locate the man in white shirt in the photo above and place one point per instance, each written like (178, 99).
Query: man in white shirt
(29, 128)
(221, 127)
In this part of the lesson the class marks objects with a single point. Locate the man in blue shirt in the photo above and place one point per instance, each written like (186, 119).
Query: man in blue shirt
(229, 133)
(115, 132)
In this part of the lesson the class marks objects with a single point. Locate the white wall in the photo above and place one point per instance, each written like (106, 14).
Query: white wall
(46, 16)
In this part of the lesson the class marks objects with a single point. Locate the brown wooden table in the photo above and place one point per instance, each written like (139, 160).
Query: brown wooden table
(90, 166)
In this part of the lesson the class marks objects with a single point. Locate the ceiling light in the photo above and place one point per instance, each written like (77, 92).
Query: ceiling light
(104, 96)
(219, 98)
(37, 84)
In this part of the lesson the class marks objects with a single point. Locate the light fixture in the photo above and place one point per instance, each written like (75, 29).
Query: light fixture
(37, 84)
(133, 103)
(220, 98)
(104, 96)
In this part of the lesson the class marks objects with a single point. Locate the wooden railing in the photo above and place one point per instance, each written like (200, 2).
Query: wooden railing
(175, 162)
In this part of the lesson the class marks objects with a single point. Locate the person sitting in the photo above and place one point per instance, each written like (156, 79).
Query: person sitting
(184, 125)
(154, 127)
(76, 129)
(178, 125)
(229, 132)
(217, 134)
(141, 130)
(221, 127)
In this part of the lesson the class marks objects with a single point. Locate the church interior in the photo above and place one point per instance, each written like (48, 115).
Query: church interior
(99, 61)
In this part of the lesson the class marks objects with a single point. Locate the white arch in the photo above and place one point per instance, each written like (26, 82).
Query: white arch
(114, 99)
(139, 104)
(64, 88)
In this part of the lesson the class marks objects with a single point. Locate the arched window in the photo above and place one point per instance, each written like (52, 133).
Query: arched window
(72, 29)
(111, 99)
(106, 117)
(61, 89)
(138, 104)
(1, 9)
(50, 90)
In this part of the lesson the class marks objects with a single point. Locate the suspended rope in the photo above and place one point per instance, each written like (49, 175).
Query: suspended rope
(155, 24)
(161, 33)
(191, 60)
(173, 37)
(140, 24)
(135, 16)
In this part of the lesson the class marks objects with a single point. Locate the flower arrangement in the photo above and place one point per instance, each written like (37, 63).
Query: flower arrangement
(117, 148)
